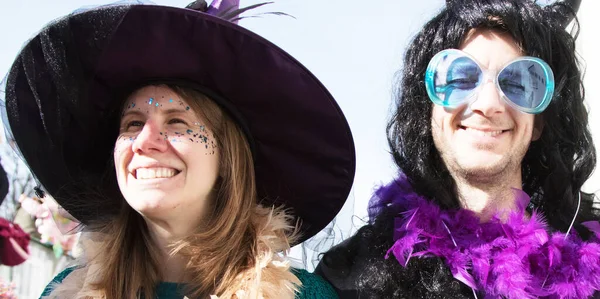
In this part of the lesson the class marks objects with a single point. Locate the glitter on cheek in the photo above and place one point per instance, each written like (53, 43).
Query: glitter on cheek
(189, 131)
(170, 100)
(120, 143)
(187, 108)
(156, 104)
(150, 101)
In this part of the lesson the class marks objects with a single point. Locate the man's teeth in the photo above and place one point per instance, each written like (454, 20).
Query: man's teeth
(484, 133)
(154, 173)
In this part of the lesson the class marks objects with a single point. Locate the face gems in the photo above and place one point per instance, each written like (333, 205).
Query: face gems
(152, 101)
(126, 138)
(173, 132)
(122, 139)
(130, 106)
(165, 135)
(193, 136)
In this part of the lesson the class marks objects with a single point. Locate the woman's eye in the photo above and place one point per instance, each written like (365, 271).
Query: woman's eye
(176, 121)
(134, 123)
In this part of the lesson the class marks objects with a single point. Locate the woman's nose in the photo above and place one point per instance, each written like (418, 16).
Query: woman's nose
(150, 139)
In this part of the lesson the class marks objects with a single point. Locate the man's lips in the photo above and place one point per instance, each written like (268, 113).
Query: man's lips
(483, 131)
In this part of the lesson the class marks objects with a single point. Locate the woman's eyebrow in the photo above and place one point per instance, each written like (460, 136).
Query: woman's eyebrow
(174, 111)
(132, 112)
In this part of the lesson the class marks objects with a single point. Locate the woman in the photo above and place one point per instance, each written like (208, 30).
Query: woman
(188, 147)
(490, 135)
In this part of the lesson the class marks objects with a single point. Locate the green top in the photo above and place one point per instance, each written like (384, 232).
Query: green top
(313, 286)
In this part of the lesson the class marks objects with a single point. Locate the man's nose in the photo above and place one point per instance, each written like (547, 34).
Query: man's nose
(488, 100)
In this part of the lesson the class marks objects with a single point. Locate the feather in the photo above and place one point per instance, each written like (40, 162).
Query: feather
(594, 227)
(520, 257)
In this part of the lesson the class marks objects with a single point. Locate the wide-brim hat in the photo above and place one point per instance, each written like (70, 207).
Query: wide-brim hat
(64, 85)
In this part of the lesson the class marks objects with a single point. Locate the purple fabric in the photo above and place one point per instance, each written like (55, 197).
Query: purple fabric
(515, 258)
(218, 6)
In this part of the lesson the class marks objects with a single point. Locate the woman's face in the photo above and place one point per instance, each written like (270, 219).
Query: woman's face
(166, 157)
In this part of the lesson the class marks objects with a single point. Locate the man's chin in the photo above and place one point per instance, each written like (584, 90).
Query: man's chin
(481, 170)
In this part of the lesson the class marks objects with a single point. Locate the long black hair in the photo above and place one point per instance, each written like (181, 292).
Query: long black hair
(554, 167)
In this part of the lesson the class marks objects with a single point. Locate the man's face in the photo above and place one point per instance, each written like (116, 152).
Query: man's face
(487, 138)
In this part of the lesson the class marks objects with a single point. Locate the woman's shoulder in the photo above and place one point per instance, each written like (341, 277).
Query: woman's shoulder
(313, 286)
(56, 281)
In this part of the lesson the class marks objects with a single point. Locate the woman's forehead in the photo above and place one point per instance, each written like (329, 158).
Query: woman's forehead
(152, 91)
(150, 98)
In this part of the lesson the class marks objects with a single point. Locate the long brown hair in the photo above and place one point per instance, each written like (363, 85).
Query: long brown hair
(124, 262)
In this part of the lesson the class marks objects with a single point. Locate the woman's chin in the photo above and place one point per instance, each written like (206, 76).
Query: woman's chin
(149, 204)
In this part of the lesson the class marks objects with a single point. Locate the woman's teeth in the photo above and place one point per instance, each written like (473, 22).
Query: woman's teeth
(154, 173)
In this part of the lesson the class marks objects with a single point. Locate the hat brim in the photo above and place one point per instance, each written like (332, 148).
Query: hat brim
(303, 148)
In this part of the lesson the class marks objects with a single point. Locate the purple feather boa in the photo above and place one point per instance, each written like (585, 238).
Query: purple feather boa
(515, 258)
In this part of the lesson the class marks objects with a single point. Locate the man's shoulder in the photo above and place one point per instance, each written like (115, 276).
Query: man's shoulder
(344, 264)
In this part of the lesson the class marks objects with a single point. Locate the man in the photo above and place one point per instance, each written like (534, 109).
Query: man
(490, 135)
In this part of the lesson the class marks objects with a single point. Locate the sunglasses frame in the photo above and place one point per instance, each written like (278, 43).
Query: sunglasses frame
(487, 75)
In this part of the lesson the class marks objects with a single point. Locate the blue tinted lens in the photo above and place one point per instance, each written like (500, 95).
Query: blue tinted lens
(523, 82)
(454, 79)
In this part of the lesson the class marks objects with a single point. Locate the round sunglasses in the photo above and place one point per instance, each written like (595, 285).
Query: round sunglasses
(453, 78)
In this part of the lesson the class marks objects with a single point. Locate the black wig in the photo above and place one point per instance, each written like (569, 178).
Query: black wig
(554, 168)
(556, 165)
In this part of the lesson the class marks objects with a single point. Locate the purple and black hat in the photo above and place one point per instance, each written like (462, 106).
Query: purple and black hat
(64, 85)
